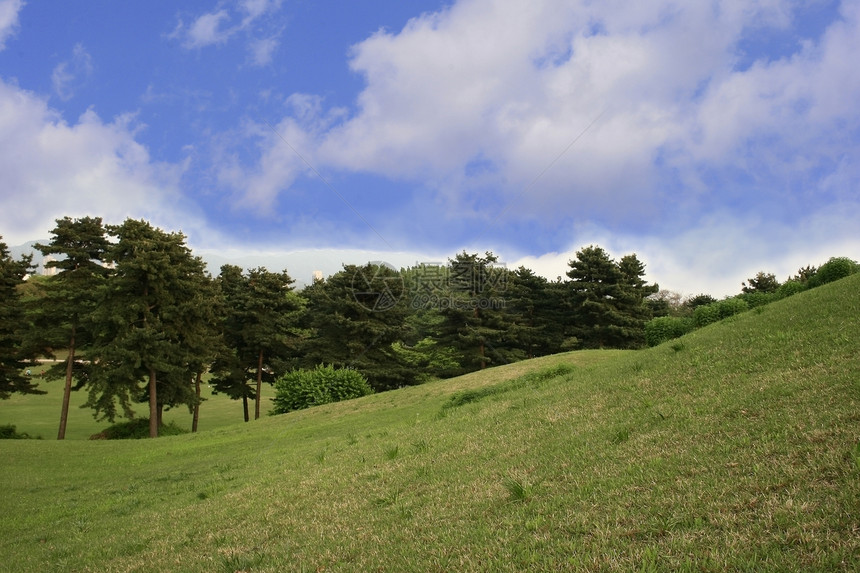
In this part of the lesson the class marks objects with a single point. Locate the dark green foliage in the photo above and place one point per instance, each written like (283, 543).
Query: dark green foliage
(790, 287)
(136, 429)
(14, 355)
(608, 300)
(262, 334)
(61, 315)
(756, 299)
(804, 274)
(659, 330)
(536, 309)
(152, 315)
(354, 319)
(477, 323)
(10, 432)
(714, 312)
(761, 283)
(699, 300)
(301, 389)
(834, 269)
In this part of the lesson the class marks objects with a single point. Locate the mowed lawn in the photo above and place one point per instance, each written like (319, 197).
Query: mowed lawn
(39, 414)
(734, 448)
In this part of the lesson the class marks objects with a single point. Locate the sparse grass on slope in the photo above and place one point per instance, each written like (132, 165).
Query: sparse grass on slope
(733, 448)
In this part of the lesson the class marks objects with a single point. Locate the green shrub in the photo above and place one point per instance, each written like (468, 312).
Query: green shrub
(834, 269)
(732, 306)
(663, 328)
(757, 299)
(301, 389)
(135, 430)
(706, 314)
(790, 287)
(714, 312)
(10, 432)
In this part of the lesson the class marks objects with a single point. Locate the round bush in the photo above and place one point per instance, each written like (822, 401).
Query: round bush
(705, 315)
(663, 328)
(834, 269)
(789, 288)
(301, 389)
(732, 306)
(756, 299)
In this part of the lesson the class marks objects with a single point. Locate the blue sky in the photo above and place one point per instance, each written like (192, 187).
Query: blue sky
(714, 139)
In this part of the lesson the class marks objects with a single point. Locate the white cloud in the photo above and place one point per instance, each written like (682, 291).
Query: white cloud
(9, 10)
(207, 30)
(262, 50)
(50, 168)
(720, 251)
(254, 9)
(439, 95)
(213, 28)
(285, 153)
(475, 102)
(69, 75)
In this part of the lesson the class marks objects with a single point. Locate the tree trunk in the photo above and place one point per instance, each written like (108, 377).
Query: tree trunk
(196, 415)
(477, 321)
(259, 384)
(153, 406)
(245, 406)
(160, 416)
(67, 389)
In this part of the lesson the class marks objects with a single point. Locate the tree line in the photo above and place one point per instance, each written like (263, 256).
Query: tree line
(143, 321)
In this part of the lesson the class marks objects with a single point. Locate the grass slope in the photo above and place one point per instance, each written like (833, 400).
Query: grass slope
(734, 448)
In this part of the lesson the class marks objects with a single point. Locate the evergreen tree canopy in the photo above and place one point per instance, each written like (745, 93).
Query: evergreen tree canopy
(61, 315)
(14, 358)
(147, 315)
(473, 305)
(356, 316)
(608, 299)
(261, 326)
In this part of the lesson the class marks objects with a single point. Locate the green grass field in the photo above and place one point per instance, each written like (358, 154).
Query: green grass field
(735, 448)
(39, 415)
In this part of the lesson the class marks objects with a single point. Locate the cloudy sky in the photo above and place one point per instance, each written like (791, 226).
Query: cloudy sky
(714, 139)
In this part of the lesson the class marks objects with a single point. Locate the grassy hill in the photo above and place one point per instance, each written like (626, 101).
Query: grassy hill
(733, 448)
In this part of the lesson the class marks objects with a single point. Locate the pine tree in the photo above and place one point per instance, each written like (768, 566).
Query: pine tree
(69, 297)
(14, 357)
(633, 303)
(535, 312)
(608, 299)
(356, 317)
(261, 326)
(147, 310)
(476, 323)
(594, 288)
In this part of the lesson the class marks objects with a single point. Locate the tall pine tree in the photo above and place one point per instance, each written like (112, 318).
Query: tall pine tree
(147, 310)
(356, 317)
(535, 311)
(473, 306)
(14, 357)
(61, 315)
(262, 332)
(607, 300)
